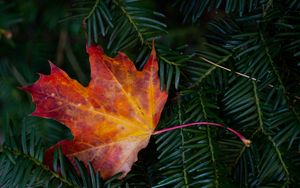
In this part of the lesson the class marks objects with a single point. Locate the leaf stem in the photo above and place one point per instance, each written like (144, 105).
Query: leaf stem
(242, 138)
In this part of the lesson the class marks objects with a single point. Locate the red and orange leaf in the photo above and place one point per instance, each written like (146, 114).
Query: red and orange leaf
(112, 118)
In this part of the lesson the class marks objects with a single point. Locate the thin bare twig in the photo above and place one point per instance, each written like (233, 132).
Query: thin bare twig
(240, 74)
(229, 70)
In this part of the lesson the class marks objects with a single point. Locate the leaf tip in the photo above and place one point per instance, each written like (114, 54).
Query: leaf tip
(91, 49)
(53, 67)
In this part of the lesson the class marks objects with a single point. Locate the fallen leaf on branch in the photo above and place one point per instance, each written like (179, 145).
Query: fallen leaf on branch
(112, 118)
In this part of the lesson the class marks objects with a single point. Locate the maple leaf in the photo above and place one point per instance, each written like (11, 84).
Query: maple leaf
(112, 118)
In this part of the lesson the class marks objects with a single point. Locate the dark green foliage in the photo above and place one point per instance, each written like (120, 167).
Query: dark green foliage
(194, 9)
(21, 162)
(240, 68)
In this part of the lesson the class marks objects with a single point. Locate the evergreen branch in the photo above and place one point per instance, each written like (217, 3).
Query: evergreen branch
(213, 158)
(194, 9)
(92, 10)
(266, 48)
(258, 108)
(166, 60)
(280, 159)
(207, 73)
(262, 129)
(239, 155)
(186, 181)
(287, 120)
(140, 36)
(169, 60)
(38, 164)
(133, 25)
(203, 106)
(211, 147)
